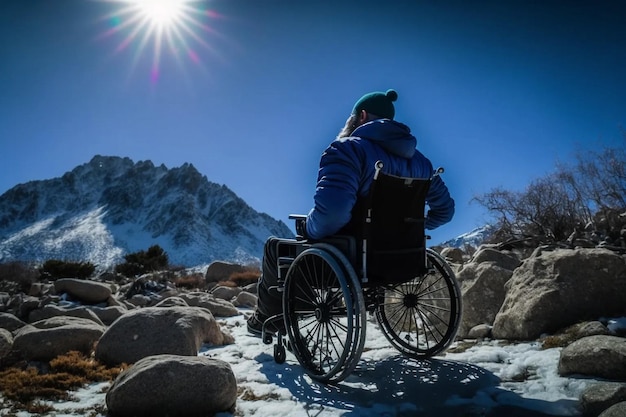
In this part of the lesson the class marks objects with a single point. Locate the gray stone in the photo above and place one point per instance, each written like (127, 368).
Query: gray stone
(246, 299)
(87, 291)
(225, 293)
(560, 288)
(616, 410)
(156, 330)
(218, 307)
(165, 385)
(9, 322)
(221, 271)
(48, 342)
(53, 311)
(601, 396)
(6, 342)
(504, 259)
(483, 292)
(596, 356)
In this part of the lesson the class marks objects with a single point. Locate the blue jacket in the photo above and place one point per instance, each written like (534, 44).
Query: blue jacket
(347, 170)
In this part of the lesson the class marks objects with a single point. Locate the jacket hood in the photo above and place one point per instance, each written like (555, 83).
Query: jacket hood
(392, 136)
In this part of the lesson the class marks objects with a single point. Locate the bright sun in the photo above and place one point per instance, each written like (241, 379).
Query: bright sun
(173, 26)
(161, 12)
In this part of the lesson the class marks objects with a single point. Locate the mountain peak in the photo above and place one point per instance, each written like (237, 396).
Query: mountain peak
(111, 205)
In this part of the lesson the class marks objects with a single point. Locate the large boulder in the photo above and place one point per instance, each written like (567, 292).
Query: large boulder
(47, 339)
(482, 290)
(221, 271)
(559, 288)
(596, 356)
(90, 292)
(169, 385)
(156, 330)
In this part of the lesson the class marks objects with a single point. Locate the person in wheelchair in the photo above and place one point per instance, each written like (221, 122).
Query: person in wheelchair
(346, 173)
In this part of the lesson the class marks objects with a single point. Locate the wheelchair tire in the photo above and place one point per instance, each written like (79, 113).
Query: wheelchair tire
(324, 313)
(421, 317)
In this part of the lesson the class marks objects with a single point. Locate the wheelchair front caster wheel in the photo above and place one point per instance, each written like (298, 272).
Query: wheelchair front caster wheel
(279, 354)
(267, 338)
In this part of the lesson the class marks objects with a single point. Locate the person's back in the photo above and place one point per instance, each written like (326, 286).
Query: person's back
(347, 167)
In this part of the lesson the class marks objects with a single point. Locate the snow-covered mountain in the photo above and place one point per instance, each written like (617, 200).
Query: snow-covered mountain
(474, 238)
(111, 206)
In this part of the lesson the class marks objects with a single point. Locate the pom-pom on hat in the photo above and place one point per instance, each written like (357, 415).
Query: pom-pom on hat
(377, 103)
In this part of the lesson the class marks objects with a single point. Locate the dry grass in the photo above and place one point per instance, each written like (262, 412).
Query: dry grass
(27, 385)
(192, 281)
(241, 279)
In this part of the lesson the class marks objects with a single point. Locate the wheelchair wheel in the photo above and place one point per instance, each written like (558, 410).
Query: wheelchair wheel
(421, 317)
(324, 313)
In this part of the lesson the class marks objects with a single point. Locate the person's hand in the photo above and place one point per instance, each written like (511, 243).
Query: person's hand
(301, 227)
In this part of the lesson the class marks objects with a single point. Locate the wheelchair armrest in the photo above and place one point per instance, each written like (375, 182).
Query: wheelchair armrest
(297, 216)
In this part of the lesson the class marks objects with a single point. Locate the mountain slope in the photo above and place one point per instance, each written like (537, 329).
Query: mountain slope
(111, 206)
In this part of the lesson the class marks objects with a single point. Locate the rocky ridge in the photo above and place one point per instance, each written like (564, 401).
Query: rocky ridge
(111, 206)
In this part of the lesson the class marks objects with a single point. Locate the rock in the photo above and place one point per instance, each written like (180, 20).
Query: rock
(108, 314)
(155, 330)
(10, 322)
(6, 342)
(24, 304)
(479, 332)
(225, 293)
(140, 300)
(592, 328)
(172, 302)
(90, 292)
(504, 259)
(165, 385)
(454, 255)
(221, 271)
(34, 343)
(601, 396)
(53, 311)
(38, 289)
(4, 298)
(483, 292)
(245, 299)
(251, 288)
(559, 288)
(616, 410)
(596, 356)
(219, 308)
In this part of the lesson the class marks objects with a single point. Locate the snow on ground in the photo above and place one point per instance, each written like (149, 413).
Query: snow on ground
(492, 378)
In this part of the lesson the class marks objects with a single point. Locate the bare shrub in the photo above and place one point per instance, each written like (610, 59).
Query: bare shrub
(558, 204)
(20, 273)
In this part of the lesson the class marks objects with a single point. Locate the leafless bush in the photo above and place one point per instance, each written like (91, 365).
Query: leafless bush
(554, 206)
(19, 272)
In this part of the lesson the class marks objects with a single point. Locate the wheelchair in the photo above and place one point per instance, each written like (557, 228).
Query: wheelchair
(379, 266)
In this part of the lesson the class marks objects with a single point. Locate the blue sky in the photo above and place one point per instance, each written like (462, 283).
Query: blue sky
(495, 91)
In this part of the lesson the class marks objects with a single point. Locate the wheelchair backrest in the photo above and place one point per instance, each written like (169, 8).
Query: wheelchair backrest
(392, 228)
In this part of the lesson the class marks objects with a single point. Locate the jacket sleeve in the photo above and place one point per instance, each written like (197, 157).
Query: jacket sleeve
(336, 192)
(440, 204)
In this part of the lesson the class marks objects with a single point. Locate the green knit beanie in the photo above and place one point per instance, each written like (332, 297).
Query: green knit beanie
(378, 103)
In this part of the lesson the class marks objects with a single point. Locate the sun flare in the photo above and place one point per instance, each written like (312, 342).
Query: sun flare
(161, 12)
(174, 27)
